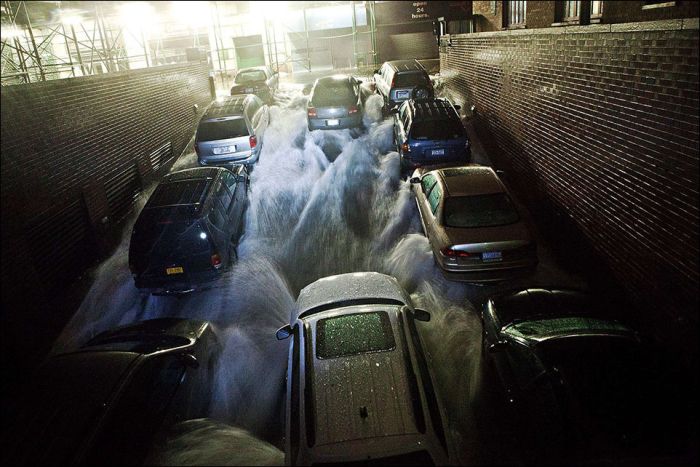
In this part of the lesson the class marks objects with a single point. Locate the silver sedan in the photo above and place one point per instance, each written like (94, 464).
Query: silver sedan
(475, 230)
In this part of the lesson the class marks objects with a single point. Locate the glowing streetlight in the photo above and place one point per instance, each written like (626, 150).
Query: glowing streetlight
(137, 15)
(10, 32)
(269, 10)
(70, 17)
(195, 14)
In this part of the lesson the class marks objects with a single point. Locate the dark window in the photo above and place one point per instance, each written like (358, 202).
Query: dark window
(230, 181)
(596, 9)
(480, 211)
(572, 10)
(178, 193)
(223, 196)
(428, 183)
(437, 129)
(333, 94)
(515, 12)
(222, 129)
(662, 4)
(250, 76)
(411, 79)
(434, 198)
(353, 334)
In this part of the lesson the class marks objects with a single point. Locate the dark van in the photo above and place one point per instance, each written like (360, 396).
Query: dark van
(187, 233)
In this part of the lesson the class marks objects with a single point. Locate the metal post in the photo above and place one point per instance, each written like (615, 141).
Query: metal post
(36, 50)
(354, 35)
(77, 48)
(107, 61)
(306, 31)
(70, 59)
(145, 49)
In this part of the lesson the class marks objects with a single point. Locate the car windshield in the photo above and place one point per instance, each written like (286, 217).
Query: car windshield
(222, 129)
(437, 129)
(353, 334)
(333, 94)
(541, 329)
(480, 211)
(250, 76)
(411, 79)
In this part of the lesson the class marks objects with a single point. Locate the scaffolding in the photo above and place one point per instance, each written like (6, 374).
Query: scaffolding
(64, 39)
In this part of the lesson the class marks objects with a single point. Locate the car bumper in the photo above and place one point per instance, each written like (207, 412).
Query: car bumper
(487, 272)
(163, 285)
(343, 122)
(408, 163)
(246, 158)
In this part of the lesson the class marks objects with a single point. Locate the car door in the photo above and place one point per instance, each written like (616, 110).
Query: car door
(428, 182)
(235, 208)
(402, 121)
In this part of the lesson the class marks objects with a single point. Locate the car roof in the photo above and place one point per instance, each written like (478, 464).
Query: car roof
(183, 188)
(379, 381)
(432, 109)
(228, 106)
(150, 336)
(406, 65)
(334, 79)
(350, 288)
(470, 180)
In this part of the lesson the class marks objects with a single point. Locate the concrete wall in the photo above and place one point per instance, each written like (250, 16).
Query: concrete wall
(601, 123)
(75, 153)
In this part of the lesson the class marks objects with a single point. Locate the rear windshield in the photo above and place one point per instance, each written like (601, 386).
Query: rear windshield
(222, 129)
(250, 76)
(403, 80)
(166, 233)
(333, 94)
(437, 129)
(480, 211)
(354, 334)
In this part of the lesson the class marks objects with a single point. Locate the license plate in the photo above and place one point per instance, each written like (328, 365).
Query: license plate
(438, 152)
(175, 270)
(224, 149)
(402, 94)
(491, 256)
(333, 122)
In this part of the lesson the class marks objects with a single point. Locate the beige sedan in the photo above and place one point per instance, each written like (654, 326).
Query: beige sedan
(475, 230)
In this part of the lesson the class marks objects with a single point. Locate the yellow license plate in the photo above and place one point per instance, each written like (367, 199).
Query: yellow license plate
(176, 270)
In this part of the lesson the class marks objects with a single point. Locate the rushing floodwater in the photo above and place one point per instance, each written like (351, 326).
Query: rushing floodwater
(321, 203)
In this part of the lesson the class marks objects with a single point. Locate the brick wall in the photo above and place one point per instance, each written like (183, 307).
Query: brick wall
(601, 123)
(74, 155)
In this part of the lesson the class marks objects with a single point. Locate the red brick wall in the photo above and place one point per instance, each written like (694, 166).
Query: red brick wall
(601, 122)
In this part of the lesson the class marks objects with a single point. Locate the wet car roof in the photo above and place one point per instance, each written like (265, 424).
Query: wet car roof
(469, 181)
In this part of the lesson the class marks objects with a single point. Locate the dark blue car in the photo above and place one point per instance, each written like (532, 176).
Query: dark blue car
(428, 132)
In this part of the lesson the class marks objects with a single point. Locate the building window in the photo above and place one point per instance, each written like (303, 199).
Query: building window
(572, 10)
(596, 10)
(515, 13)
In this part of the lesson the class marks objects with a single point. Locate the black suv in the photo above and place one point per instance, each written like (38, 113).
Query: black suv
(187, 233)
(399, 80)
(429, 131)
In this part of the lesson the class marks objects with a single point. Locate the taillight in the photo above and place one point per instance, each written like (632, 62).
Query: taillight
(405, 147)
(448, 251)
(311, 111)
(216, 260)
(352, 109)
(253, 141)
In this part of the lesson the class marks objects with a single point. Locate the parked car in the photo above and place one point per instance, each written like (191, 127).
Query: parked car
(186, 234)
(475, 230)
(259, 80)
(106, 402)
(358, 384)
(399, 80)
(581, 384)
(231, 131)
(429, 131)
(335, 102)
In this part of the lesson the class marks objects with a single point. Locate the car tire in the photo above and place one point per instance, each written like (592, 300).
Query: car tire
(420, 92)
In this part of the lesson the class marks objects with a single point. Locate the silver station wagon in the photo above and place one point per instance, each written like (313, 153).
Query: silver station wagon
(358, 384)
(475, 230)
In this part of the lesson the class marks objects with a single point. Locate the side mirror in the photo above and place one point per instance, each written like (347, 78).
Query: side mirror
(458, 107)
(189, 360)
(500, 173)
(284, 332)
(359, 81)
(376, 72)
(307, 89)
(472, 109)
(394, 110)
(421, 315)
(195, 109)
(414, 180)
(498, 346)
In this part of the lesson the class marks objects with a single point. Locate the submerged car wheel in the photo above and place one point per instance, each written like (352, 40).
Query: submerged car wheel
(420, 92)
